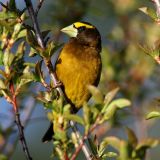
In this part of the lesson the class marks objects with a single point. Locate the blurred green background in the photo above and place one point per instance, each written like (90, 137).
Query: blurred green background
(123, 28)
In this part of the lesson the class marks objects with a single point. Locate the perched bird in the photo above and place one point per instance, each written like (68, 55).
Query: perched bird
(78, 65)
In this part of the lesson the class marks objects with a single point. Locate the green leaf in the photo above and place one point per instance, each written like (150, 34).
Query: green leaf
(109, 112)
(132, 139)
(97, 95)
(2, 84)
(74, 118)
(22, 34)
(120, 103)
(112, 141)
(38, 71)
(67, 109)
(32, 52)
(93, 146)
(7, 15)
(149, 143)
(60, 135)
(86, 117)
(50, 50)
(142, 147)
(31, 39)
(153, 114)
(94, 112)
(12, 5)
(1, 57)
(110, 155)
(8, 59)
(109, 96)
(25, 78)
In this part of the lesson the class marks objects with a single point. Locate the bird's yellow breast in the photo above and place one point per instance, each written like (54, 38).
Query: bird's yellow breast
(78, 67)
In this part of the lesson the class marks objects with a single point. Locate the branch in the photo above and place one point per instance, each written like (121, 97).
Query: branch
(84, 138)
(12, 140)
(35, 23)
(39, 6)
(18, 122)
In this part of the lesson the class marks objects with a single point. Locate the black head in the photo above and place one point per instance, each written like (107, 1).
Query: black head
(86, 34)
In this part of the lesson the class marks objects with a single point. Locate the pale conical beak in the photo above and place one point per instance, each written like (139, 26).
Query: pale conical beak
(70, 30)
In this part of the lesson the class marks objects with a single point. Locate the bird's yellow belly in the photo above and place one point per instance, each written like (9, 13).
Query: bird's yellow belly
(76, 76)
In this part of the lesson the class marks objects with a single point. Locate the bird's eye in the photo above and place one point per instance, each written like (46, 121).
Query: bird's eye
(80, 29)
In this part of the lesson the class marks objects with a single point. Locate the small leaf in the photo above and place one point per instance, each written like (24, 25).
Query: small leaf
(51, 49)
(120, 103)
(142, 147)
(86, 117)
(17, 28)
(8, 58)
(153, 114)
(109, 96)
(112, 141)
(93, 146)
(2, 84)
(110, 155)
(22, 34)
(148, 143)
(109, 112)
(1, 57)
(31, 39)
(97, 95)
(74, 118)
(67, 109)
(39, 71)
(132, 137)
(12, 5)
(24, 79)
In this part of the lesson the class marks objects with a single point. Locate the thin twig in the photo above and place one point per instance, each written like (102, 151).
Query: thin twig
(18, 122)
(11, 141)
(84, 138)
(81, 141)
(50, 67)
(39, 6)
(35, 23)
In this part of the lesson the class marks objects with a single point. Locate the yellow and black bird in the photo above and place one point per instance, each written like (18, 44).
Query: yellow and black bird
(78, 65)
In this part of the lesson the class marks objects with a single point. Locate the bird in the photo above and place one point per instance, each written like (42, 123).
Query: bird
(79, 65)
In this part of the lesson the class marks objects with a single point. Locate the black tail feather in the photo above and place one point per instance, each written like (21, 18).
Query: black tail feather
(48, 135)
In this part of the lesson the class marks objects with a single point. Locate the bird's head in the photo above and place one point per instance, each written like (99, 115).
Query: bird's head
(85, 33)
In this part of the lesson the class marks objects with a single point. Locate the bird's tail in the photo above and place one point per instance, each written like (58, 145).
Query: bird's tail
(48, 135)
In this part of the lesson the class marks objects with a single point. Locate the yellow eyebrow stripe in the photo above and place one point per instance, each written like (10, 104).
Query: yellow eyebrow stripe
(80, 24)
